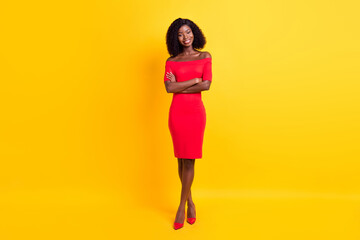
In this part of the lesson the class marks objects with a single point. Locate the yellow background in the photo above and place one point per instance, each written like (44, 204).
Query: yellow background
(85, 148)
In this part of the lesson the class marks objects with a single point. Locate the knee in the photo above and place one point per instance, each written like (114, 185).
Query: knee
(189, 164)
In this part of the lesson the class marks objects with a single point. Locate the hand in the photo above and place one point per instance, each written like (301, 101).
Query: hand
(198, 80)
(171, 76)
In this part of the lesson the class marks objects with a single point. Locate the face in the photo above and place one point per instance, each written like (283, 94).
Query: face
(185, 35)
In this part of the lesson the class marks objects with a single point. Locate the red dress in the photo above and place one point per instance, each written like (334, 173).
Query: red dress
(187, 116)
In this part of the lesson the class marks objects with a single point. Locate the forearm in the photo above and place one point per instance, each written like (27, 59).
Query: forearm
(175, 87)
(201, 86)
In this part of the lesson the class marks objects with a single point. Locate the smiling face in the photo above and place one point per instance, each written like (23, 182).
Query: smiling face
(185, 35)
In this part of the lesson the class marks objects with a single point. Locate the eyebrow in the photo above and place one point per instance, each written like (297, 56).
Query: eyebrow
(185, 30)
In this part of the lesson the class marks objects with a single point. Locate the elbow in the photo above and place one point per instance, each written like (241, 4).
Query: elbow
(169, 90)
(168, 87)
(207, 85)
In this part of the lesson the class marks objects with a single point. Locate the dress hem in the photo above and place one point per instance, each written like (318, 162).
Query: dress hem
(190, 157)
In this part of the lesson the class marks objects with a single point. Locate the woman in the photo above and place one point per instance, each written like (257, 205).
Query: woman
(187, 73)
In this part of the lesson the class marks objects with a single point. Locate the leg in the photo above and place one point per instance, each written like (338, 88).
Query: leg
(191, 213)
(180, 166)
(186, 180)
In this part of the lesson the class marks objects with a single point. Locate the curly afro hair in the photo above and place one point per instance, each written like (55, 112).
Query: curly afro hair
(173, 45)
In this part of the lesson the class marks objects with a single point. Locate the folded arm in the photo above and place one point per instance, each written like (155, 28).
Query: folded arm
(175, 87)
(201, 86)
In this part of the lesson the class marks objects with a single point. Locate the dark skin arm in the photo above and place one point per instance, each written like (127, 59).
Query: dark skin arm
(201, 86)
(174, 87)
(194, 85)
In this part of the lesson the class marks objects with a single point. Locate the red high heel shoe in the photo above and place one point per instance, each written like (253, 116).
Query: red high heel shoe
(191, 220)
(178, 225)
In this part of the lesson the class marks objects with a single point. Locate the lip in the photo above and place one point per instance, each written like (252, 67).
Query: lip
(187, 41)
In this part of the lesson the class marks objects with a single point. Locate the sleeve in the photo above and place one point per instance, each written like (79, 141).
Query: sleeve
(167, 69)
(207, 74)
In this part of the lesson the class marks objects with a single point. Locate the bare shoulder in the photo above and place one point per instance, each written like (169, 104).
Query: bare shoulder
(170, 59)
(206, 54)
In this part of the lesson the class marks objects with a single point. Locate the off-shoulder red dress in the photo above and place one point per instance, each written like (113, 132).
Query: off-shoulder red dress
(187, 116)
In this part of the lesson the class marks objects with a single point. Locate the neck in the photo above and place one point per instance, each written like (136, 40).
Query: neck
(188, 50)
